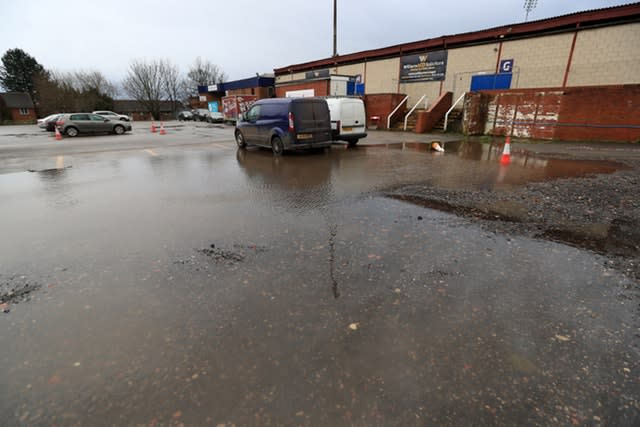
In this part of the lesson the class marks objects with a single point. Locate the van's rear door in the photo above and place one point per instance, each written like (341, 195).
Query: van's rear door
(312, 121)
(353, 118)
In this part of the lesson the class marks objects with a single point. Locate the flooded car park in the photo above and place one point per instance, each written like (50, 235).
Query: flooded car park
(183, 281)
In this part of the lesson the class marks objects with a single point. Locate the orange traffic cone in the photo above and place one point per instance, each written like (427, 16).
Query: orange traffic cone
(58, 134)
(162, 131)
(506, 152)
(435, 146)
(153, 127)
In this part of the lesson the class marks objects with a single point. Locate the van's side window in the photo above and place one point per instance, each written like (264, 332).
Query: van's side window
(270, 111)
(253, 113)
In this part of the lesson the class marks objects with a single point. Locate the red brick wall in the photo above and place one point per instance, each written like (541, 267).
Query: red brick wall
(381, 105)
(428, 119)
(606, 113)
(16, 116)
(590, 113)
(475, 113)
(321, 88)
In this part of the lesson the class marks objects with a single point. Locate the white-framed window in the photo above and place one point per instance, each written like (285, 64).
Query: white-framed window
(24, 111)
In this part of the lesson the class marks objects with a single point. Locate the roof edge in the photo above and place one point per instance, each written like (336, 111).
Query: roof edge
(569, 21)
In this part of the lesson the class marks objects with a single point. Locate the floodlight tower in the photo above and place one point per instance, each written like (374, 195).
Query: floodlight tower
(529, 5)
(335, 27)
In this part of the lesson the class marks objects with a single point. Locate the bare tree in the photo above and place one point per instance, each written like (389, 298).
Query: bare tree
(74, 91)
(174, 84)
(204, 73)
(146, 84)
(55, 95)
(94, 81)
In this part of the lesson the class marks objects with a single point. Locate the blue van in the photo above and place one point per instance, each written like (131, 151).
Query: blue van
(285, 124)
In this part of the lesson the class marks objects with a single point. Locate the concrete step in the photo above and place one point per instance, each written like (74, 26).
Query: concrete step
(454, 116)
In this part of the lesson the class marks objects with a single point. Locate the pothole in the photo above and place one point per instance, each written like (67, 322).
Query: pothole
(237, 253)
(14, 290)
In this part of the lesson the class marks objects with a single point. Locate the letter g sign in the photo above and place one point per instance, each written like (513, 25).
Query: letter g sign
(506, 65)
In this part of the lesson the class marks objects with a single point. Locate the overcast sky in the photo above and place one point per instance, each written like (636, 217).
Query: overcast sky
(243, 37)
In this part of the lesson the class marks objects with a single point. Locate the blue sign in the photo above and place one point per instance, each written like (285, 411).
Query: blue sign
(491, 81)
(213, 106)
(506, 66)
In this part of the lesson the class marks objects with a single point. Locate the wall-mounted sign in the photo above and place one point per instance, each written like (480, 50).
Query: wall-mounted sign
(302, 93)
(506, 66)
(428, 66)
(202, 98)
(316, 74)
(213, 106)
(213, 88)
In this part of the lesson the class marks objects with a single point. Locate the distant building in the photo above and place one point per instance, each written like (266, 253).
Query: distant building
(261, 86)
(137, 111)
(17, 107)
(523, 79)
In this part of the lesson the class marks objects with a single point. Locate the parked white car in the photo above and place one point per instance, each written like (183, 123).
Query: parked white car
(112, 116)
(348, 119)
(42, 123)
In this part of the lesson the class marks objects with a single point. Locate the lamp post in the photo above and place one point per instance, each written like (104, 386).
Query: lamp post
(335, 27)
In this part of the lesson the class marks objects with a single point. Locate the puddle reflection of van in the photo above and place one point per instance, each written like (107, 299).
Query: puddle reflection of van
(285, 124)
(347, 119)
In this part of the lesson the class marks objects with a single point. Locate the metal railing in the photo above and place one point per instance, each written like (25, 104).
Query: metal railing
(446, 116)
(406, 117)
(394, 111)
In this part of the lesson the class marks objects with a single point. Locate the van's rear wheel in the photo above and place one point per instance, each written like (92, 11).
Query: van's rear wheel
(277, 146)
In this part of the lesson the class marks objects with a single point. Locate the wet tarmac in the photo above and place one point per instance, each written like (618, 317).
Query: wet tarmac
(211, 286)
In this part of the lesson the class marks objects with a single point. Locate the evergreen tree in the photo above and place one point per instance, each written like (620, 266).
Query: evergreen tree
(19, 71)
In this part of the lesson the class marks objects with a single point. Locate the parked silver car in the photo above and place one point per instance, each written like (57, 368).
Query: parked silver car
(215, 117)
(75, 123)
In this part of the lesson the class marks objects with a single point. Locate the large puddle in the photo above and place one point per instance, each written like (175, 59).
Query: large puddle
(215, 287)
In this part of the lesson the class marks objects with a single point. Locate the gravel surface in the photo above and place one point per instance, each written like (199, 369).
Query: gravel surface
(599, 213)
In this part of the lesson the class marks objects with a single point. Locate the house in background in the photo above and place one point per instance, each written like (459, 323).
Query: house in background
(17, 107)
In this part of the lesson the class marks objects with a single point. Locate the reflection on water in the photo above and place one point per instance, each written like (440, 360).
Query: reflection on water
(56, 187)
(464, 165)
(293, 182)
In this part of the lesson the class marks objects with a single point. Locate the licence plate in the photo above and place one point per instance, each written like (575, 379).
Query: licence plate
(347, 129)
(305, 136)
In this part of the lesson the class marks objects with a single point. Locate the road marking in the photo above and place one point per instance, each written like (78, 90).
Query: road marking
(153, 153)
(60, 162)
(224, 147)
